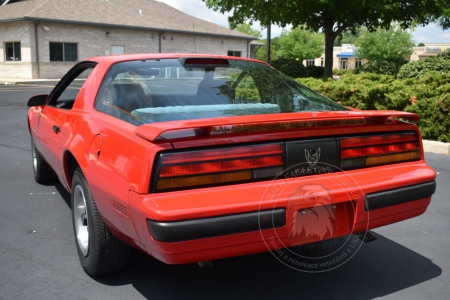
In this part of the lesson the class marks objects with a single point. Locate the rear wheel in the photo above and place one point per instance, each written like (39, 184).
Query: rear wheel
(98, 250)
(42, 171)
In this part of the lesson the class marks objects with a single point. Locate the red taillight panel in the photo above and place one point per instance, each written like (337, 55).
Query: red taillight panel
(216, 154)
(217, 166)
(359, 152)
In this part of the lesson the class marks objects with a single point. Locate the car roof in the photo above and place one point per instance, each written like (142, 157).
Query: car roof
(144, 56)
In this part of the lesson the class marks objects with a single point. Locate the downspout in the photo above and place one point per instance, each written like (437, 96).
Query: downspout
(249, 55)
(37, 49)
(160, 34)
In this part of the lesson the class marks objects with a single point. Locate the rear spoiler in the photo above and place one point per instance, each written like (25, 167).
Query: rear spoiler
(152, 131)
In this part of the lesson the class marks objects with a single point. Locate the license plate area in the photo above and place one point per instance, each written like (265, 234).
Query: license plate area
(322, 222)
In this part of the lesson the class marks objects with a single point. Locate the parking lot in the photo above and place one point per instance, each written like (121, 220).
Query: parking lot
(38, 258)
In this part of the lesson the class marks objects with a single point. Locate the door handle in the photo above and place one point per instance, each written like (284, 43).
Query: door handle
(56, 129)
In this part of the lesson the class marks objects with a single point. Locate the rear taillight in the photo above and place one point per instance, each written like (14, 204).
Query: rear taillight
(365, 151)
(218, 166)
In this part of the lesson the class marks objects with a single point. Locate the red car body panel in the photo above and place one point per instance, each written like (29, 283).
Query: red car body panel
(117, 159)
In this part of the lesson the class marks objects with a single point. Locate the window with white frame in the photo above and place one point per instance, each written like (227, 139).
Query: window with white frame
(12, 51)
(321, 62)
(310, 62)
(63, 51)
(344, 63)
(358, 62)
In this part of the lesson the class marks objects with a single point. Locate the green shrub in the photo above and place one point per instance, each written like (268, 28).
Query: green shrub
(342, 72)
(314, 71)
(428, 96)
(290, 67)
(416, 69)
(378, 67)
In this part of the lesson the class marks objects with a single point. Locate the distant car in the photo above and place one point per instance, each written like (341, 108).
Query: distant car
(175, 155)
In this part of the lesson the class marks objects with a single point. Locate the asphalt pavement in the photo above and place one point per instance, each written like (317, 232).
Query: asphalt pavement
(38, 259)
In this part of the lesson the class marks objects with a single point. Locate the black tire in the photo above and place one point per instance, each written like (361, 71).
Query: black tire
(99, 252)
(42, 171)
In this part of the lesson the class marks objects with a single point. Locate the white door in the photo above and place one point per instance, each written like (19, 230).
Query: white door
(118, 50)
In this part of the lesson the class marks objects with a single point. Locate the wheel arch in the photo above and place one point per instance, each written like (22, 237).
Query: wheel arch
(70, 165)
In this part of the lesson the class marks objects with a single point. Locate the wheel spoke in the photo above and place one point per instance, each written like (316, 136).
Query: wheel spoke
(81, 219)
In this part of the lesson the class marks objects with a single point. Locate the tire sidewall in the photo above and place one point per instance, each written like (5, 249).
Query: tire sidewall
(88, 261)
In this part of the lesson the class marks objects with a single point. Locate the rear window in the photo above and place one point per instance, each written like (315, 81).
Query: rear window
(147, 91)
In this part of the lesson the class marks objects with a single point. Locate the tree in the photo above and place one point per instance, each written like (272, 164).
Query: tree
(300, 44)
(331, 16)
(444, 19)
(347, 37)
(274, 49)
(393, 45)
(247, 28)
(420, 45)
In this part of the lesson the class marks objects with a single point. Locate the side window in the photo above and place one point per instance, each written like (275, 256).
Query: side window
(65, 96)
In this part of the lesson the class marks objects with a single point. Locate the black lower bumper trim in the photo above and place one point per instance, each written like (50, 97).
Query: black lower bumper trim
(216, 226)
(399, 196)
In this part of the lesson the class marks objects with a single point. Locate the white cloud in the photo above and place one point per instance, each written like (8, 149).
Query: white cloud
(446, 37)
(198, 9)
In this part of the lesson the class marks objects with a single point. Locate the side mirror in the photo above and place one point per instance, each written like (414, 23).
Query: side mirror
(38, 100)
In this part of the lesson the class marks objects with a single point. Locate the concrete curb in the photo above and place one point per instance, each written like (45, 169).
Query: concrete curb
(436, 147)
(52, 82)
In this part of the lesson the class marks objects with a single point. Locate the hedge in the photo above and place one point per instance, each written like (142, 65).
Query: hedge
(428, 96)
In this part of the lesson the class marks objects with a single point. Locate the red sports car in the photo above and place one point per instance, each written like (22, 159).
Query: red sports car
(192, 158)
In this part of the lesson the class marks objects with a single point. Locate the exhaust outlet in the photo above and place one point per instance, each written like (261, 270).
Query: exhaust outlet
(366, 237)
(205, 264)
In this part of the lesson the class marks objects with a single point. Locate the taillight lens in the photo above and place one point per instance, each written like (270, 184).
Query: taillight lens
(359, 152)
(218, 166)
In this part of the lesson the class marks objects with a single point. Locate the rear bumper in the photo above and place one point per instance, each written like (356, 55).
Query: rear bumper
(213, 223)
(216, 226)
(398, 196)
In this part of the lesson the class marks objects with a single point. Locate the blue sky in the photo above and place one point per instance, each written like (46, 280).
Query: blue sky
(428, 34)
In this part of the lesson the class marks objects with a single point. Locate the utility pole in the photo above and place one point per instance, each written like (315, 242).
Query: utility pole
(268, 44)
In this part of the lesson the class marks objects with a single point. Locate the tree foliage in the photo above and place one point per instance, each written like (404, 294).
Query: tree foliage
(347, 37)
(247, 28)
(416, 69)
(300, 44)
(332, 16)
(392, 45)
(274, 50)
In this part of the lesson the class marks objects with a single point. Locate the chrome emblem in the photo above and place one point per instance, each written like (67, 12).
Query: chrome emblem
(312, 157)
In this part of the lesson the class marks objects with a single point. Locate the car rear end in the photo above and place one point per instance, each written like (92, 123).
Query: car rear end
(259, 162)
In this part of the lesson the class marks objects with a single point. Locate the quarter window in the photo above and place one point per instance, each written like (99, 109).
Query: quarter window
(13, 51)
(63, 52)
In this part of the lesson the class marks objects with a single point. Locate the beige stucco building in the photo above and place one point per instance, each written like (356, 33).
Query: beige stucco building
(45, 38)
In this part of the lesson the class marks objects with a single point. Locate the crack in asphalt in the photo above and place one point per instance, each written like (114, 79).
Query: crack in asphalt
(14, 147)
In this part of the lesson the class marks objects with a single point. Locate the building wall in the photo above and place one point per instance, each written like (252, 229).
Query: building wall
(96, 41)
(22, 32)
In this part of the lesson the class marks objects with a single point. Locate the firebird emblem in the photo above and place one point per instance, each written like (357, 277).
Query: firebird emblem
(312, 157)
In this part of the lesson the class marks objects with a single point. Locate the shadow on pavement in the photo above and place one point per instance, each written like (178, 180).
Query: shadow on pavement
(378, 269)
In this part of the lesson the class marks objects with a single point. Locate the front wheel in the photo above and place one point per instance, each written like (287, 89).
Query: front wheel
(99, 251)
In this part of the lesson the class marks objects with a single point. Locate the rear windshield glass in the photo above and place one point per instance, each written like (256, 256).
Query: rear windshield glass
(166, 90)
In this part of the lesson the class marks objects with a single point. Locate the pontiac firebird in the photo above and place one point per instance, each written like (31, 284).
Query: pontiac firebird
(176, 154)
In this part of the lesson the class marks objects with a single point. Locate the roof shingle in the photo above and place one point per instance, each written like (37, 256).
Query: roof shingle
(145, 14)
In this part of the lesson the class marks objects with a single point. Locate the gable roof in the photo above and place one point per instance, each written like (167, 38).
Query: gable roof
(140, 14)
